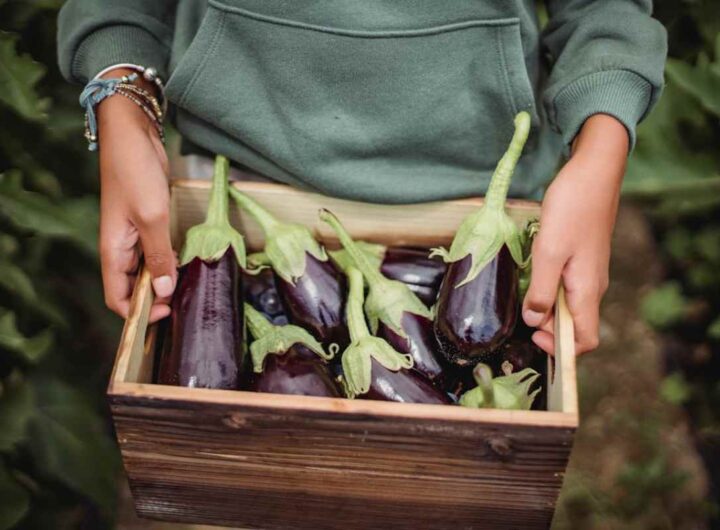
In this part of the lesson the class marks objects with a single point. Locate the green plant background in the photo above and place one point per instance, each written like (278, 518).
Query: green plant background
(59, 465)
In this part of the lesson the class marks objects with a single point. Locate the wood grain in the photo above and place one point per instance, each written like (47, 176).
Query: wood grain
(269, 467)
(270, 461)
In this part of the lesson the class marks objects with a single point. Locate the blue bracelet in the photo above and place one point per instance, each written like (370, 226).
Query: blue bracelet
(93, 93)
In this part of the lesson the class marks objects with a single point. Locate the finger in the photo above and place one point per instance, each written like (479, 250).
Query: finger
(118, 266)
(158, 312)
(158, 253)
(547, 267)
(545, 341)
(584, 306)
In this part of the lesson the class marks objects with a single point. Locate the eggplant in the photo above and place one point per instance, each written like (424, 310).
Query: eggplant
(311, 289)
(510, 392)
(260, 292)
(478, 302)
(372, 368)
(206, 320)
(287, 359)
(394, 311)
(412, 266)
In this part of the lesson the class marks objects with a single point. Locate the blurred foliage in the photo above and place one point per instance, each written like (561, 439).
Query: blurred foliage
(58, 461)
(675, 174)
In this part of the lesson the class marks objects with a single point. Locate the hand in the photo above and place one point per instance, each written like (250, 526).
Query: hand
(134, 204)
(576, 224)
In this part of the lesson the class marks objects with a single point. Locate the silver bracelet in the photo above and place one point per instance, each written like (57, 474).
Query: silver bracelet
(148, 73)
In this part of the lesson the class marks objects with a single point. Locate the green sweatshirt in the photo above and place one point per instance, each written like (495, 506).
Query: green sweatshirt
(380, 100)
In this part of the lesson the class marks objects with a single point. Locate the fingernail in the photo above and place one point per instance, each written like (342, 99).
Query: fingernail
(532, 318)
(163, 286)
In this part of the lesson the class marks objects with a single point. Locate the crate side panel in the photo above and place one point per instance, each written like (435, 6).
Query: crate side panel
(270, 468)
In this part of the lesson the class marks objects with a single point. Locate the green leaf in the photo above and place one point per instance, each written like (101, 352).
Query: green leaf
(14, 499)
(713, 330)
(18, 76)
(16, 406)
(73, 219)
(674, 389)
(14, 280)
(701, 80)
(31, 349)
(663, 162)
(69, 443)
(664, 306)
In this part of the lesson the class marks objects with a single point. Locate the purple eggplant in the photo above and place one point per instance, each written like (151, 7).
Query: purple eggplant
(261, 293)
(478, 302)
(394, 312)
(512, 391)
(311, 289)
(412, 266)
(206, 328)
(372, 369)
(287, 359)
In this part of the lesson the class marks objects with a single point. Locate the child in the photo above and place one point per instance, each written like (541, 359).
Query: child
(379, 100)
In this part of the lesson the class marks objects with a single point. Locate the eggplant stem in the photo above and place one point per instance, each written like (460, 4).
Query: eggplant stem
(265, 219)
(483, 377)
(354, 306)
(361, 261)
(500, 182)
(258, 325)
(218, 206)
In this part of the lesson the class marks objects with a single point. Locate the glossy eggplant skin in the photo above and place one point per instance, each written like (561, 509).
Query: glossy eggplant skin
(299, 371)
(413, 267)
(404, 386)
(260, 291)
(420, 344)
(317, 302)
(473, 320)
(206, 327)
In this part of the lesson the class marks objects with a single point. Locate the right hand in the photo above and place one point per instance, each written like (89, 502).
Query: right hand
(134, 205)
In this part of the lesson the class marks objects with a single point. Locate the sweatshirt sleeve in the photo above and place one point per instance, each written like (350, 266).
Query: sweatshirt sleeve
(94, 34)
(606, 57)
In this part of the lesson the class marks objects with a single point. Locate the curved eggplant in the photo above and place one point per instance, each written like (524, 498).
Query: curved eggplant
(394, 312)
(478, 300)
(206, 328)
(287, 359)
(372, 369)
(311, 289)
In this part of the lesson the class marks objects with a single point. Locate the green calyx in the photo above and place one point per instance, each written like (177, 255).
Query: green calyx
(483, 233)
(357, 357)
(210, 240)
(372, 251)
(276, 340)
(286, 244)
(527, 236)
(387, 299)
(510, 391)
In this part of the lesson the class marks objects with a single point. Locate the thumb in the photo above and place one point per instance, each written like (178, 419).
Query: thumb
(547, 268)
(159, 257)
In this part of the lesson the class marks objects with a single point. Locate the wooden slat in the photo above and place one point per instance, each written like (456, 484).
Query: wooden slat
(562, 395)
(427, 224)
(270, 467)
(133, 362)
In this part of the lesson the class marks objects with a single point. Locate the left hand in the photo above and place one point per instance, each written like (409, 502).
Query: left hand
(576, 225)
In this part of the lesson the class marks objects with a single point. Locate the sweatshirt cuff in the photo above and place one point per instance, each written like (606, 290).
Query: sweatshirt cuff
(118, 44)
(620, 93)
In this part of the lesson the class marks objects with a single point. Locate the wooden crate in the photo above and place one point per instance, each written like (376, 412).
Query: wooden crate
(266, 461)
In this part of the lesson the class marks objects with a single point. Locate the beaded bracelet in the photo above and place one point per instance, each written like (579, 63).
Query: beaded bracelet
(99, 89)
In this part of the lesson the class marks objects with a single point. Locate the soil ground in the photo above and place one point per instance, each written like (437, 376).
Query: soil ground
(633, 464)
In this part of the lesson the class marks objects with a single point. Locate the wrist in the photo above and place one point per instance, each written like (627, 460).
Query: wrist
(602, 134)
